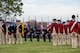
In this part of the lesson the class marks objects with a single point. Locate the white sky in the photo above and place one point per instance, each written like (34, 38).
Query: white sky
(50, 8)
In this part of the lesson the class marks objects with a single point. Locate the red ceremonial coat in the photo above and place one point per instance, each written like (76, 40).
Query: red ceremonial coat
(64, 28)
(60, 28)
(67, 30)
(52, 26)
(79, 28)
(75, 28)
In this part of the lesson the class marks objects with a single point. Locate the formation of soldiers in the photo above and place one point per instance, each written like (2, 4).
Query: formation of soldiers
(11, 33)
(66, 32)
(60, 33)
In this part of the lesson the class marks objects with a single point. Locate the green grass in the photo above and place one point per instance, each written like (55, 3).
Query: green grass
(37, 47)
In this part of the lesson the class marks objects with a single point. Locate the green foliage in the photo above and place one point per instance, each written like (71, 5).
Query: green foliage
(10, 2)
(10, 7)
(0, 4)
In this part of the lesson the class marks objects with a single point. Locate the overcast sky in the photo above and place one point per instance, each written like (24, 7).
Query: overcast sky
(59, 9)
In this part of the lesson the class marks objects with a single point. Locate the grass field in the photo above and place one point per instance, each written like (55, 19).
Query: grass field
(37, 47)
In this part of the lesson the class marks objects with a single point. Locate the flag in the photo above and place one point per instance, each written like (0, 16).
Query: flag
(35, 25)
(23, 28)
(14, 24)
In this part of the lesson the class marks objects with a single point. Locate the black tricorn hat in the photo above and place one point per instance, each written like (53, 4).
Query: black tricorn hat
(64, 22)
(54, 19)
(18, 21)
(73, 16)
(58, 20)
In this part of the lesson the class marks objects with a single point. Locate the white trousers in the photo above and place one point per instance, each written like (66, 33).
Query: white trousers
(54, 38)
(74, 39)
(19, 38)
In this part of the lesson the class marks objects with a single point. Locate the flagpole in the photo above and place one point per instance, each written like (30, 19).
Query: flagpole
(77, 17)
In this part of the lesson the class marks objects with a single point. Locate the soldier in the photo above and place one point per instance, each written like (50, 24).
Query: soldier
(3, 32)
(44, 34)
(68, 33)
(49, 34)
(0, 32)
(60, 32)
(74, 31)
(31, 33)
(19, 32)
(14, 28)
(78, 34)
(64, 34)
(10, 34)
(38, 34)
(25, 32)
(54, 32)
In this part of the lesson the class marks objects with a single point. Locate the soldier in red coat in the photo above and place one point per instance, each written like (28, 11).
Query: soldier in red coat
(74, 31)
(67, 31)
(60, 32)
(54, 24)
(54, 31)
(64, 34)
(78, 34)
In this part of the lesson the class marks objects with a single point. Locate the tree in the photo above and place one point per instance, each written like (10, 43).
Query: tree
(11, 7)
